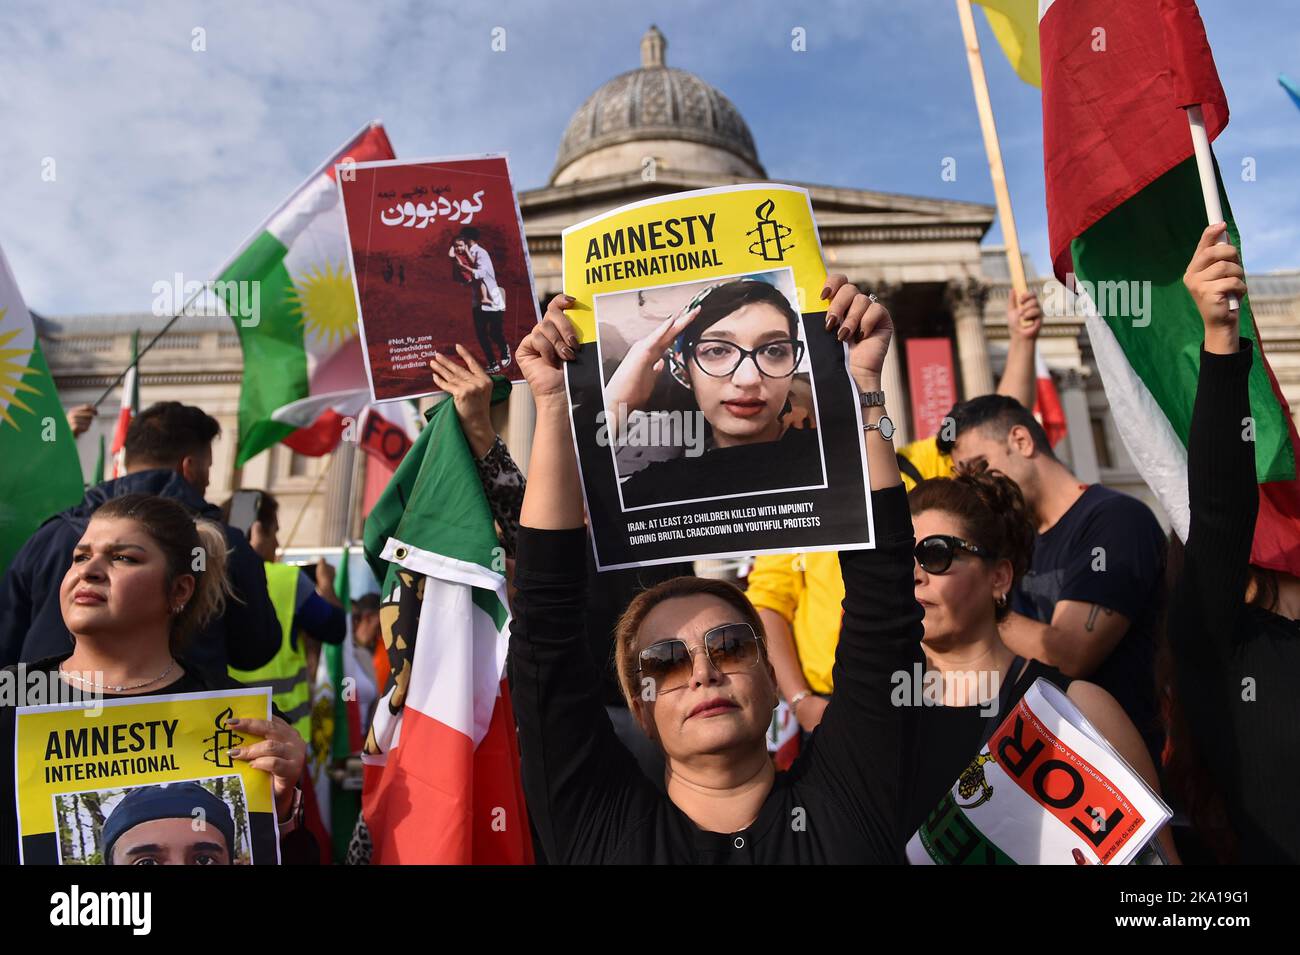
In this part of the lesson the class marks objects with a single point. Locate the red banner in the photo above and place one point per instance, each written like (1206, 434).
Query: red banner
(933, 383)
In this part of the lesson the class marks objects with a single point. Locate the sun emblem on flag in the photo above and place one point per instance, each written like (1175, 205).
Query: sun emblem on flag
(12, 368)
(323, 299)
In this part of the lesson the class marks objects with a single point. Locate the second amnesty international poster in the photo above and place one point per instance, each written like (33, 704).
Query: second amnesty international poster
(143, 780)
(438, 259)
(712, 411)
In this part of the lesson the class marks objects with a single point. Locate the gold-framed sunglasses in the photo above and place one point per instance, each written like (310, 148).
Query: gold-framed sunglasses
(730, 648)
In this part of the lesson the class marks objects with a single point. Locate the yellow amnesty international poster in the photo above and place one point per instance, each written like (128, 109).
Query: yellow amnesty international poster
(134, 781)
(712, 411)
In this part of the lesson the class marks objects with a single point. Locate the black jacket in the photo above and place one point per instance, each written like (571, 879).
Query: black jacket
(246, 636)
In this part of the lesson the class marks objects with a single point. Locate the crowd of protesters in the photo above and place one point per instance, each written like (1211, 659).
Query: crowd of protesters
(991, 557)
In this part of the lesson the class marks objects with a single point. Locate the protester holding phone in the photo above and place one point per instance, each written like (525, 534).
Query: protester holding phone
(305, 605)
(695, 671)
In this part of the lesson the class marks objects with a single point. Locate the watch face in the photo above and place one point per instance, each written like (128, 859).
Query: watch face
(886, 428)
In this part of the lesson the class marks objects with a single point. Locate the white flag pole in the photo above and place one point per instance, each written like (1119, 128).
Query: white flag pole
(1209, 181)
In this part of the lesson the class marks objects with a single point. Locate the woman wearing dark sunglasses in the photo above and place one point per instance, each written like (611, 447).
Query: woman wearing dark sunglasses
(693, 666)
(735, 348)
(974, 540)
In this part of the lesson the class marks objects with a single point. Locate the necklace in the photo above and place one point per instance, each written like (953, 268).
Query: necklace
(116, 689)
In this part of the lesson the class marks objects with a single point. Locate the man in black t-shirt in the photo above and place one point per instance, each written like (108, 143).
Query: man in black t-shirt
(1089, 604)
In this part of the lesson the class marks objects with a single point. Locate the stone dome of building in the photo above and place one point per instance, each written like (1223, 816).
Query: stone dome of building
(656, 111)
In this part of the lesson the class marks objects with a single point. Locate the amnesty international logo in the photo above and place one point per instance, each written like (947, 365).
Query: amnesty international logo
(222, 741)
(770, 235)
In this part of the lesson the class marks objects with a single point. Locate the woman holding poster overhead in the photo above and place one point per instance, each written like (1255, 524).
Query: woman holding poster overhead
(694, 668)
(134, 592)
(733, 350)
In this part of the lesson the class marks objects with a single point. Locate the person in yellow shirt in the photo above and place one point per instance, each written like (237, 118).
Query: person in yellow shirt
(799, 596)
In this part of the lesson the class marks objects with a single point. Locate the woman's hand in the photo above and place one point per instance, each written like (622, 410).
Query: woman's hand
(634, 381)
(865, 324)
(281, 752)
(541, 355)
(1214, 273)
(471, 389)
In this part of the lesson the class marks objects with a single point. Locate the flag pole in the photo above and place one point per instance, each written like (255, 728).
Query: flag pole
(288, 541)
(984, 106)
(153, 341)
(1209, 181)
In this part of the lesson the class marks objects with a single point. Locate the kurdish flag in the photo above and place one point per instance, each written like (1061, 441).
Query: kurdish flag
(1125, 212)
(442, 778)
(42, 470)
(1015, 24)
(303, 366)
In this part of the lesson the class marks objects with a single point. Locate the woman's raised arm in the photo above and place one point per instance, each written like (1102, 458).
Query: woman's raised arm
(553, 500)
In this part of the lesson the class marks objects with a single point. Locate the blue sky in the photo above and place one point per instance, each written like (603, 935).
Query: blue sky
(166, 158)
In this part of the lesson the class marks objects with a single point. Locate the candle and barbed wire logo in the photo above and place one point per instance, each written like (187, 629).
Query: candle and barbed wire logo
(222, 740)
(770, 235)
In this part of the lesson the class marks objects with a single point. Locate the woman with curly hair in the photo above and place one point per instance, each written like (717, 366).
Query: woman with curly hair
(974, 540)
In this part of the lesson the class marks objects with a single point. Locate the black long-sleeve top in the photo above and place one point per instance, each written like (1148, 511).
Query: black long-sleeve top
(1236, 665)
(839, 803)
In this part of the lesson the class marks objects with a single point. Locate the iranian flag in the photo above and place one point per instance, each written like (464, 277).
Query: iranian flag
(442, 778)
(1047, 402)
(42, 470)
(129, 409)
(289, 293)
(1125, 212)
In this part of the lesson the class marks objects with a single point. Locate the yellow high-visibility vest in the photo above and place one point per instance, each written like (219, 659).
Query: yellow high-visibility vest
(286, 673)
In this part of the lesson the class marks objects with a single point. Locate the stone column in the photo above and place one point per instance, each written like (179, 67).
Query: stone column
(966, 300)
(517, 429)
(338, 494)
(1078, 421)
